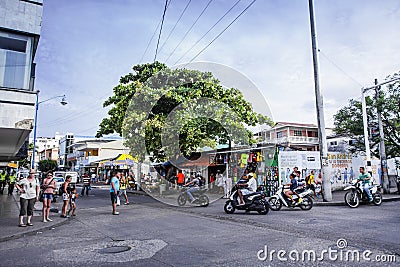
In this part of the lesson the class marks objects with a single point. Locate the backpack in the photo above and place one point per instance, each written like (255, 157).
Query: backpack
(61, 190)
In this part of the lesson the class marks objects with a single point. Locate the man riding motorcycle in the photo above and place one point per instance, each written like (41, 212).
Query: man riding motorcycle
(365, 177)
(251, 188)
(294, 184)
(195, 186)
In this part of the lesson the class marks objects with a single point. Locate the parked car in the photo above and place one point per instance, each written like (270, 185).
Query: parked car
(59, 181)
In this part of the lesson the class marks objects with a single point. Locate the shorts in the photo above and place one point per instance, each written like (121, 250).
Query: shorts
(65, 196)
(123, 191)
(114, 197)
(48, 196)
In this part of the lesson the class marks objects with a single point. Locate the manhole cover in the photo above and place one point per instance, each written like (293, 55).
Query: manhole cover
(114, 249)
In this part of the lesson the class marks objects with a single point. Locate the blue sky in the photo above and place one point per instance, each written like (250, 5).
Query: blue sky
(86, 45)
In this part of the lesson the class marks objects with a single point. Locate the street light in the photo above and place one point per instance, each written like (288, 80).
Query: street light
(63, 102)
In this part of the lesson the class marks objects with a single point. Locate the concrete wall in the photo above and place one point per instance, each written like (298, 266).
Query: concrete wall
(20, 15)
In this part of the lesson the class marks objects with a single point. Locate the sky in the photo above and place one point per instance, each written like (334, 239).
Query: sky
(87, 45)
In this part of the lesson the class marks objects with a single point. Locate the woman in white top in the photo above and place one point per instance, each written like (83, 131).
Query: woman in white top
(29, 188)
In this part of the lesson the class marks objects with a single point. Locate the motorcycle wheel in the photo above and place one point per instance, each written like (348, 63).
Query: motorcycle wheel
(181, 200)
(265, 210)
(229, 208)
(351, 199)
(275, 204)
(307, 203)
(377, 198)
(203, 199)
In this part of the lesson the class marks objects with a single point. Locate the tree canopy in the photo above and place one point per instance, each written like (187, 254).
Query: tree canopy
(349, 122)
(166, 112)
(47, 165)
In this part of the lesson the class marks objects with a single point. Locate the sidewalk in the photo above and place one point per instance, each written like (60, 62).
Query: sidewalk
(9, 218)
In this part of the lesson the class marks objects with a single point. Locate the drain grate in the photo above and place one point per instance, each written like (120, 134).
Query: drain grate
(114, 249)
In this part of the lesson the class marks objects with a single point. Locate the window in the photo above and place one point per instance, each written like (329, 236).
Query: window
(298, 133)
(334, 143)
(279, 135)
(15, 60)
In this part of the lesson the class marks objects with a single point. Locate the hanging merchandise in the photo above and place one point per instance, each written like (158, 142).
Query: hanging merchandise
(244, 158)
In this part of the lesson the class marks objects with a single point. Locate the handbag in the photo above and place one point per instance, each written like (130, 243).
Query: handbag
(41, 195)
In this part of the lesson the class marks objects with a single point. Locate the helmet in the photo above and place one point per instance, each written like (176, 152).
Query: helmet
(250, 175)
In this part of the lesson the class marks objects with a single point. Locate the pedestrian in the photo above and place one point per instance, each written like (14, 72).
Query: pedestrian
(310, 181)
(65, 195)
(48, 186)
(3, 178)
(72, 202)
(94, 177)
(123, 186)
(229, 185)
(180, 178)
(114, 190)
(221, 182)
(29, 188)
(86, 184)
(345, 180)
(11, 182)
(351, 173)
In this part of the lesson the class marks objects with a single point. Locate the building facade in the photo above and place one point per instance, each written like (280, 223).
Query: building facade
(20, 25)
(291, 136)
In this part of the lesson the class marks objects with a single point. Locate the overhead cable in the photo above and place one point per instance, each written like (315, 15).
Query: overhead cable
(162, 23)
(173, 28)
(151, 39)
(187, 32)
(201, 51)
(215, 24)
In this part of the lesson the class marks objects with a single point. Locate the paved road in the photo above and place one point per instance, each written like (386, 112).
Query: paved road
(155, 234)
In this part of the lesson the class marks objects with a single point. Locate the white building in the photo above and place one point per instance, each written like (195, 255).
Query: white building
(20, 25)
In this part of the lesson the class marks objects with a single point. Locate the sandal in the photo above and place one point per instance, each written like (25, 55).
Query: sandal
(29, 224)
(22, 225)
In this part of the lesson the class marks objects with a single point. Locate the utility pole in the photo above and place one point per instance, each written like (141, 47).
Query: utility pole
(323, 148)
(382, 150)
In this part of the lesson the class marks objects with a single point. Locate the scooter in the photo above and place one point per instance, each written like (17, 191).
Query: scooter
(356, 195)
(279, 199)
(200, 198)
(253, 202)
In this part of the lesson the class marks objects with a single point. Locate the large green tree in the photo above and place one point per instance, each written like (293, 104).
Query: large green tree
(164, 111)
(47, 165)
(349, 122)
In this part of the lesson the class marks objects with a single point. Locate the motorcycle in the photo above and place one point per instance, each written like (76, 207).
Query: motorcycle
(356, 195)
(276, 201)
(252, 202)
(199, 197)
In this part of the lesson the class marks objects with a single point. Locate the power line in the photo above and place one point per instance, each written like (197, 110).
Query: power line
(173, 28)
(151, 39)
(339, 68)
(162, 23)
(215, 24)
(222, 31)
(187, 32)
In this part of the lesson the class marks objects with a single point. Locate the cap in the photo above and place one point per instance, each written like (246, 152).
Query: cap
(250, 175)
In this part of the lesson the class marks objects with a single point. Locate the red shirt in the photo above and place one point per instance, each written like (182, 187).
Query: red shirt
(181, 178)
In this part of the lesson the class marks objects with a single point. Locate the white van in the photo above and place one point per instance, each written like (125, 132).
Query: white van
(74, 175)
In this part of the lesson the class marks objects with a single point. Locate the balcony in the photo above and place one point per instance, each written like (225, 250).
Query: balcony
(294, 140)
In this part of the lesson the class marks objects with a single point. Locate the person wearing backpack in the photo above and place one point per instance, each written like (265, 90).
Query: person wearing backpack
(114, 190)
(65, 194)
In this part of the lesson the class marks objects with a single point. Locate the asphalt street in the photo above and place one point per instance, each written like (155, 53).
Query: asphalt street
(150, 233)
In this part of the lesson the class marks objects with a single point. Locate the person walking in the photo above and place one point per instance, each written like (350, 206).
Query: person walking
(48, 186)
(86, 184)
(72, 202)
(29, 188)
(114, 188)
(3, 178)
(123, 186)
(11, 183)
(65, 195)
